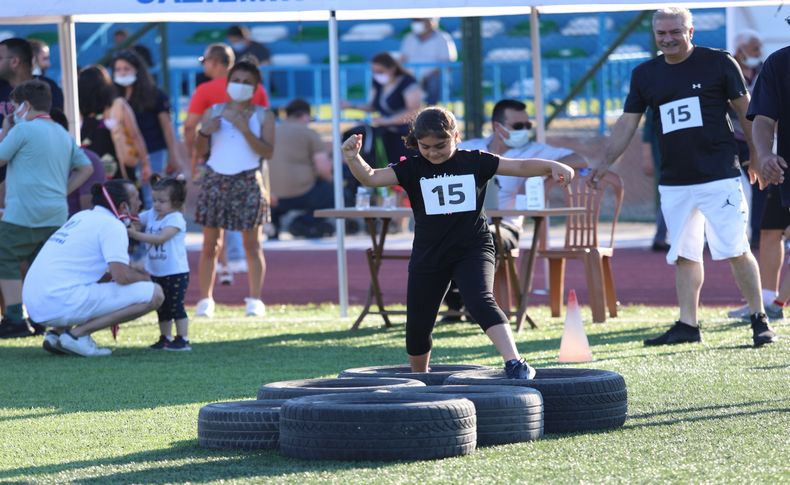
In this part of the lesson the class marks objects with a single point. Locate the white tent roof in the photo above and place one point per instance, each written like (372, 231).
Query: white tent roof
(279, 10)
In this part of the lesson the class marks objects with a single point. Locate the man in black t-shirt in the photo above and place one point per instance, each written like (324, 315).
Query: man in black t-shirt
(689, 89)
(16, 67)
(769, 111)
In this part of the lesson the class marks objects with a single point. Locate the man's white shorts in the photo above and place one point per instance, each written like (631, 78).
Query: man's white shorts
(84, 303)
(714, 210)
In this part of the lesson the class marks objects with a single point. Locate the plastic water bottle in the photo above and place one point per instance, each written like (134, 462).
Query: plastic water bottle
(363, 198)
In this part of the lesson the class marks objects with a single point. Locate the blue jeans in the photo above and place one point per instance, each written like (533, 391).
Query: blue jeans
(234, 246)
(158, 163)
(320, 196)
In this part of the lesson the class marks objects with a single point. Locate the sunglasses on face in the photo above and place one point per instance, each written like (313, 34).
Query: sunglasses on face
(526, 125)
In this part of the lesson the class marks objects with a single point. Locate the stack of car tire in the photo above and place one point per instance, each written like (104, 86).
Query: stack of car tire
(391, 413)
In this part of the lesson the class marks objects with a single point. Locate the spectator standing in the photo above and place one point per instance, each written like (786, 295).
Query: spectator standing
(68, 286)
(396, 97)
(44, 165)
(300, 173)
(151, 108)
(16, 67)
(217, 60)
(689, 88)
(240, 40)
(426, 43)
(770, 112)
(165, 258)
(232, 193)
(41, 58)
(109, 127)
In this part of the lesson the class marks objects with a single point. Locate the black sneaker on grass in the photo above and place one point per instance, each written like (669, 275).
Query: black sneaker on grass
(518, 369)
(761, 333)
(161, 343)
(179, 344)
(12, 328)
(679, 333)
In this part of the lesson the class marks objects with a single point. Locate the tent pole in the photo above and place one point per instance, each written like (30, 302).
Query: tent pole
(537, 76)
(337, 164)
(68, 62)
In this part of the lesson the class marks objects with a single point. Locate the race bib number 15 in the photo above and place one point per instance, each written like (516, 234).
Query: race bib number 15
(446, 195)
(680, 114)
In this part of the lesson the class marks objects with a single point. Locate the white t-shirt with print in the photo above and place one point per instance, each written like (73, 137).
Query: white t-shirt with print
(510, 186)
(169, 258)
(76, 255)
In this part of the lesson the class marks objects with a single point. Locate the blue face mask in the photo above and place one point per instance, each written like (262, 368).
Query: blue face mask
(238, 46)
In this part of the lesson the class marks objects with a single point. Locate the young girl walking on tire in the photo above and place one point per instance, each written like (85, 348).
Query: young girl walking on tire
(446, 187)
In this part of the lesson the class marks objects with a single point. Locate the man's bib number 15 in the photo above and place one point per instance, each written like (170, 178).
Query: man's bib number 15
(681, 114)
(446, 195)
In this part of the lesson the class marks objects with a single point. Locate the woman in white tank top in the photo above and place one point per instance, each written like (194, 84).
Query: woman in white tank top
(233, 195)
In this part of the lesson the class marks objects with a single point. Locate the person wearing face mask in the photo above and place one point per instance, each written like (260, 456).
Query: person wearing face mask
(233, 195)
(510, 138)
(241, 41)
(44, 166)
(81, 281)
(427, 44)
(41, 60)
(396, 97)
(16, 67)
(151, 108)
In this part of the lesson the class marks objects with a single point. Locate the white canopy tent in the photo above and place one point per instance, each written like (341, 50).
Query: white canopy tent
(66, 13)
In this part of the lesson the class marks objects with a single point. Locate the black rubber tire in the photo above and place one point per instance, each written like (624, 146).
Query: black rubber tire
(246, 425)
(377, 426)
(434, 377)
(311, 387)
(573, 399)
(505, 414)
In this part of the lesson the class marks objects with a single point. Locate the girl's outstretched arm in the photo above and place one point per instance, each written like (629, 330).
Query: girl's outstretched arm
(536, 167)
(368, 176)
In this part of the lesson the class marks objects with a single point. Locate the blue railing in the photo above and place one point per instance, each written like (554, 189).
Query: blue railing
(504, 79)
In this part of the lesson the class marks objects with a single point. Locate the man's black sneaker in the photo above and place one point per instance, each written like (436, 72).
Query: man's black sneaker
(37, 328)
(179, 344)
(680, 333)
(161, 343)
(761, 333)
(12, 328)
(518, 369)
(52, 344)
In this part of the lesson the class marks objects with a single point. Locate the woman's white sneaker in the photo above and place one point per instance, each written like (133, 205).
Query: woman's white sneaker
(84, 346)
(255, 307)
(205, 308)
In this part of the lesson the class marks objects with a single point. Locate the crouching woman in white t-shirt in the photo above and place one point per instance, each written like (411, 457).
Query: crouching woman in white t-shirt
(68, 286)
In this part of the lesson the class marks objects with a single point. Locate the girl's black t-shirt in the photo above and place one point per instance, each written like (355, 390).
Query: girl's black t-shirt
(447, 201)
(690, 101)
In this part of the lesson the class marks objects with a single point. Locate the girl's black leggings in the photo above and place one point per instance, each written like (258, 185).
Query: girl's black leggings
(474, 275)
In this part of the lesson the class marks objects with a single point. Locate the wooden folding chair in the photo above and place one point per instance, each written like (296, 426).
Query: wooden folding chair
(581, 242)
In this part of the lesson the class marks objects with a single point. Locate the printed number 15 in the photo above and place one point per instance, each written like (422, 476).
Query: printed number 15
(460, 197)
(683, 114)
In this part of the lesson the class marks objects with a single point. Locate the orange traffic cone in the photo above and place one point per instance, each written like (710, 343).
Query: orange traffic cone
(574, 346)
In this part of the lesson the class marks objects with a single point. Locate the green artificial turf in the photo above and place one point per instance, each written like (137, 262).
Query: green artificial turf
(711, 413)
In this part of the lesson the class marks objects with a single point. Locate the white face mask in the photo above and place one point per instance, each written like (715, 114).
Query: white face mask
(240, 92)
(382, 78)
(37, 71)
(126, 80)
(752, 62)
(20, 113)
(418, 28)
(517, 138)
